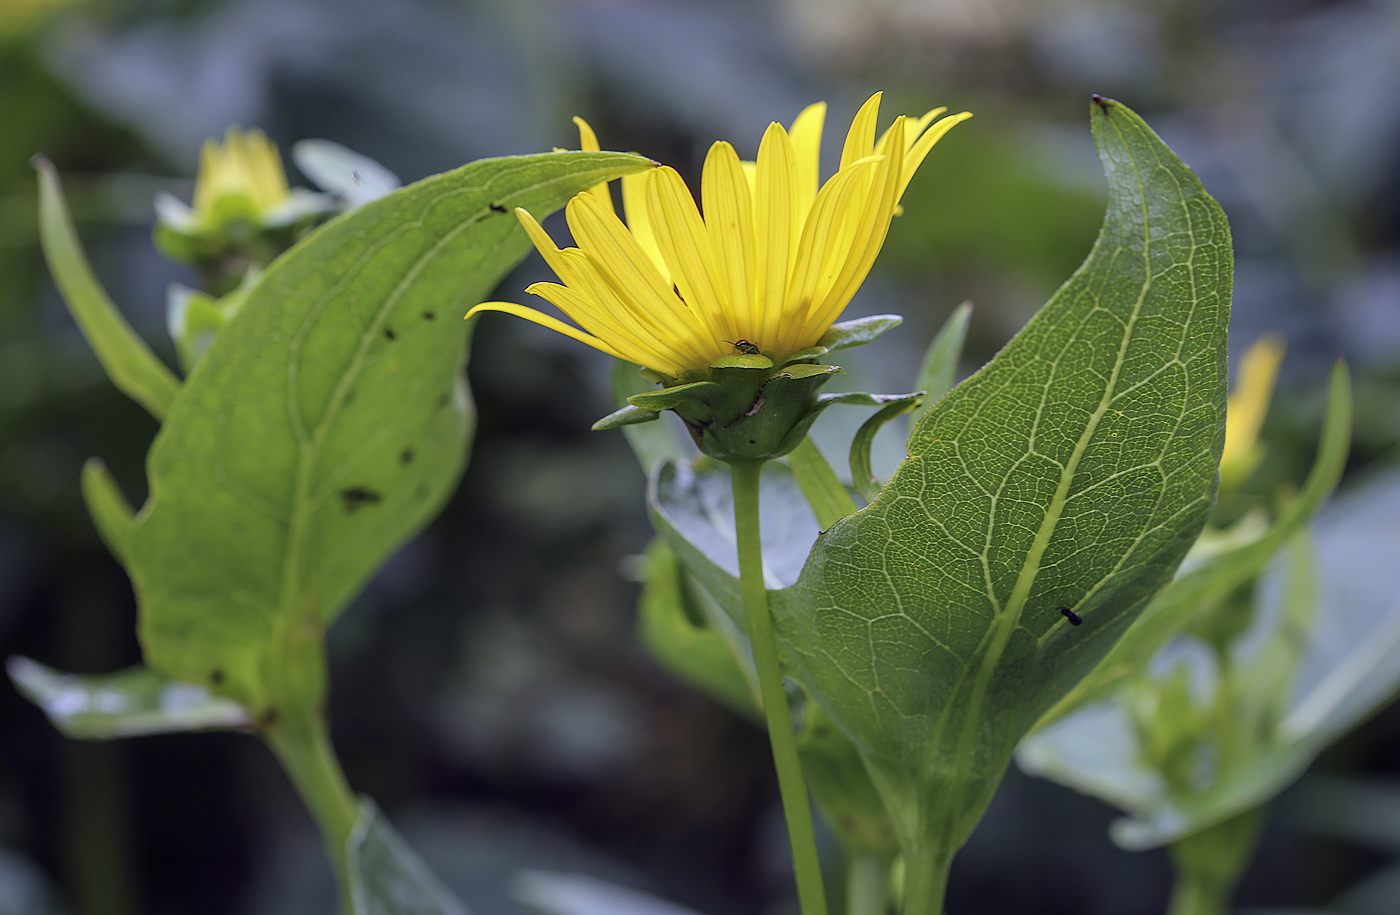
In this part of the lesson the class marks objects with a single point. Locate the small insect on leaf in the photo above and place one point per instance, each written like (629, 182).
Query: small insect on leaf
(1074, 618)
(497, 208)
(356, 497)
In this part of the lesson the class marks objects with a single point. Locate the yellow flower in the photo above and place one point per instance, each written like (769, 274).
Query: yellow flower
(768, 268)
(242, 178)
(1244, 415)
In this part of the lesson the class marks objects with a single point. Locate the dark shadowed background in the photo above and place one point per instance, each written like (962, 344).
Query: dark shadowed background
(489, 689)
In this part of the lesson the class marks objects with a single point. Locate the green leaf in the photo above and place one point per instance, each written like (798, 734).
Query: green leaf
(1073, 471)
(858, 332)
(125, 358)
(1198, 589)
(692, 507)
(705, 392)
(329, 420)
(829, 499)
(861, 475)
(387, 877)
(108, 507)
(129, 703)
(1347, 667)
(627, 416)
(680, 634)
(941, 361)
(654, 442)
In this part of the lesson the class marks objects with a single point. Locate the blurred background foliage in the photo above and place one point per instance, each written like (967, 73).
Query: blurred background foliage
(489, 689)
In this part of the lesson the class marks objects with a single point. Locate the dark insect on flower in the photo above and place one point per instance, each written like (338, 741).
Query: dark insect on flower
(744, 346)
(1074, 618)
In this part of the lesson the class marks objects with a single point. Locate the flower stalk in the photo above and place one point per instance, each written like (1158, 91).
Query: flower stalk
(792, 786)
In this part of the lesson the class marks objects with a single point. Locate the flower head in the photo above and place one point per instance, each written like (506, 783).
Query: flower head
(242, 178)
(767, 269)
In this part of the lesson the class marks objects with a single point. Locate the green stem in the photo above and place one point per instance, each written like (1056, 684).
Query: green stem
(926, 881)
(303, 746)
(867, 884)
(1192, 895)
(1209, 863)
(796, 808)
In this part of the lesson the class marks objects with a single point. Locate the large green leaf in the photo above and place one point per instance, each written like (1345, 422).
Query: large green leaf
(329, 420)
(1063, 482)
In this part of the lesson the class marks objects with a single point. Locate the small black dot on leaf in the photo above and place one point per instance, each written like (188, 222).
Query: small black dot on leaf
(429, 316)
(406, 456)
(356, 497)
(389, 333)
(216, 677)
(1074, 618)
(497, 208)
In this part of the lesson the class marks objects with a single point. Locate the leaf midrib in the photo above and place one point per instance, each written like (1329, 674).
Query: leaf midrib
(1008, 618)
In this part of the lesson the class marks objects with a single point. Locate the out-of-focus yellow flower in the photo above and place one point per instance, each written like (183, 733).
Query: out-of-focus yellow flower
(1248, 403)
(242, 178)
(240, 181)
(18, 15)
(769, 267)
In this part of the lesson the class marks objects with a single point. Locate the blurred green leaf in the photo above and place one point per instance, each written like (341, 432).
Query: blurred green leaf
(680, 637)
(829, 499)
(1346, 667)
(129, 703)
(329, 419)
(130, 364)
(692, 508)
(387, 877)
(1073, 471)
(940, 364)
(108, 507)
(1197, 589)
(578, 894)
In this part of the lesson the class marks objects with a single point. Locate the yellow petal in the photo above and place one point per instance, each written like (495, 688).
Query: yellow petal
(631, 273)
(775, 233)
(922, 143)
(1248, 404)
(724, 190)
(685, 245)
(806, 136)
(588, 142)
(544, 320)
(824, 249)
(860, 139)
(634, 204)
(601, 314)
(868, 236)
